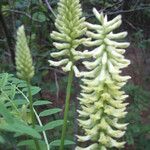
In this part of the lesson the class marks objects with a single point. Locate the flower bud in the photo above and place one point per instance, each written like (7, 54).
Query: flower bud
(24, 65)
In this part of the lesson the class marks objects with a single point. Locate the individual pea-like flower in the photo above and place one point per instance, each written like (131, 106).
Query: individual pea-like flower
(102, 99)
(24, 65)
(71, 27)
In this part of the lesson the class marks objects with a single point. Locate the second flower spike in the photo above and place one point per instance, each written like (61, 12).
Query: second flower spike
(102, 99)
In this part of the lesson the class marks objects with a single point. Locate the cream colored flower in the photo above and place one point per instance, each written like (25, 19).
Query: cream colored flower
(102, 99)
(70, 28)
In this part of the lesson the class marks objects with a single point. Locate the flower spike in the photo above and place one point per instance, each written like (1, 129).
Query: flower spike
(24, 64)
(71, 27)
(102, 99)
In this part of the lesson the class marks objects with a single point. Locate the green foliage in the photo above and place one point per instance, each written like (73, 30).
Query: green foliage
(137, 133)
(15, 116)
(57, 143)
(140, 40)
(41, 102)
(30, 144)
(49, 112)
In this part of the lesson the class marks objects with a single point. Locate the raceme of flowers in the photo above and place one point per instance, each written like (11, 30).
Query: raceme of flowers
(24, 65)
(71, 26)
(102, 99)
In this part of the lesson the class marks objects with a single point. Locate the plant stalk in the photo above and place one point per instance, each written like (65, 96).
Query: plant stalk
(32, 114)
(67, 102)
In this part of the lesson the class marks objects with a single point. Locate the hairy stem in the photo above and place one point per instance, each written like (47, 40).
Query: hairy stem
(67, 102)
(32, 114)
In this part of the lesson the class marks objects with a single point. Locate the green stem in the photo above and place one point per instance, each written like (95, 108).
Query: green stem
(67, 102)
(31, 104)
(32, 114)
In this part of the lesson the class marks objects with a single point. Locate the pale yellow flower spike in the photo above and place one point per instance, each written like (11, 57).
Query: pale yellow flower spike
(71, 27)
(101, 99)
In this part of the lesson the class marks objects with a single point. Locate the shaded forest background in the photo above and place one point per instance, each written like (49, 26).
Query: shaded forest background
(38, 17)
